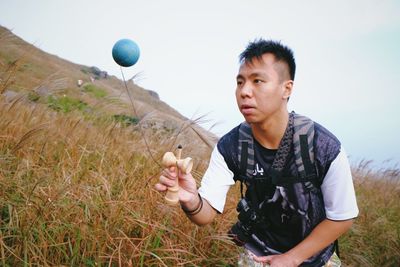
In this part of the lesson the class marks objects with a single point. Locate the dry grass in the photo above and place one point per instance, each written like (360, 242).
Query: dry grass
(74, 193)
(375, 238)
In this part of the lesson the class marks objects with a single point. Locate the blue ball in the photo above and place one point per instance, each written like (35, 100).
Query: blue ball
(126, 52)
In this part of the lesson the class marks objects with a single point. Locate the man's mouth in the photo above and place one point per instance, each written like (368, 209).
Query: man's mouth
(246, 109)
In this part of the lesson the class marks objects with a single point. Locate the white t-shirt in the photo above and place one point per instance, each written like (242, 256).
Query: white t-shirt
(337, 187)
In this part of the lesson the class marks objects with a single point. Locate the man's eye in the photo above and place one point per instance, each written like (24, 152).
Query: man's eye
(257, 81)
(239, 82)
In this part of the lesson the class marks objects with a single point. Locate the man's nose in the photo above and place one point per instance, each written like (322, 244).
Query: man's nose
(246, 90)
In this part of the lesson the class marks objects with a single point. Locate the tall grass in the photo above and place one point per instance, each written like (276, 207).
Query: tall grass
(79, 193)
(375, 238)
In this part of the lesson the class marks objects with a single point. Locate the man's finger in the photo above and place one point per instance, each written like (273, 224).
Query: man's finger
(167, 181)
(168, 173)
(160, 187)
(172, 169)
(263, 259)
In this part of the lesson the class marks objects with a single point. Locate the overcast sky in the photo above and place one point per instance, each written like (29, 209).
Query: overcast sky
(347, 54)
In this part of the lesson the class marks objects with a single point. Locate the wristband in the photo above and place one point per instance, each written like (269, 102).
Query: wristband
(196, 210)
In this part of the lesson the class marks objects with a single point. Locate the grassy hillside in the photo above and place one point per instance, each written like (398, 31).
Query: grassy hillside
(52, 81)
(35, 70)
(77, 176)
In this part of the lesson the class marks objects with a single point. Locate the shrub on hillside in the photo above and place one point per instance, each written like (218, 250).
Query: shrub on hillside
(126, 120)
(66, 104)
(94, 90)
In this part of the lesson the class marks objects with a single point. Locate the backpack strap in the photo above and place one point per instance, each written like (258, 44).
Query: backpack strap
(246, 151)
(303, 144)
(246, 160)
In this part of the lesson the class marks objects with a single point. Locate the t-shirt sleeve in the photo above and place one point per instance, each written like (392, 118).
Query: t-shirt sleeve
(338, 190)
(216, 181)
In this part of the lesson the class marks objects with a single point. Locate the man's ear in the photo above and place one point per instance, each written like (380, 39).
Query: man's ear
(288, 87)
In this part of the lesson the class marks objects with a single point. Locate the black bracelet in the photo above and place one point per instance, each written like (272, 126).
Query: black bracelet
(196, 210)
(201, 206)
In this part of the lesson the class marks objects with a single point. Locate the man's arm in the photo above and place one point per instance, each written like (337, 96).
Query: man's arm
(324, 234)
(340, 205)
(214, 187)
(188, 195)
(205, 215)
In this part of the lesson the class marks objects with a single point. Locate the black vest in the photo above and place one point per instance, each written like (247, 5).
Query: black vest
(286, 196)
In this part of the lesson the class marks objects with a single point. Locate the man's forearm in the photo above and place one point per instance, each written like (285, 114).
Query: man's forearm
(324, 234)
(204, 216)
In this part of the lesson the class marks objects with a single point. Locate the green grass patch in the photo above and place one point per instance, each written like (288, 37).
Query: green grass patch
(94, 90)
(126, 120)
(33, 96)
(66, 104)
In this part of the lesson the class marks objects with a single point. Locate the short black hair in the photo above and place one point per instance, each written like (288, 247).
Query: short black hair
(259, 47)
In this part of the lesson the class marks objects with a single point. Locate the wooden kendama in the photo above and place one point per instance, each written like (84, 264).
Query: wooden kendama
(183, 165)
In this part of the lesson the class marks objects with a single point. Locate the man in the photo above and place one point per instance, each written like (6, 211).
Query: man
(283, 221)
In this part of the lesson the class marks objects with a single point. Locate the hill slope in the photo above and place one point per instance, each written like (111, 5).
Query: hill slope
(34, 67)
(27, 69)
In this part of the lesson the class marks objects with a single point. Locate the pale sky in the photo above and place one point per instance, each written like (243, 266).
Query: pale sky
(347, 55)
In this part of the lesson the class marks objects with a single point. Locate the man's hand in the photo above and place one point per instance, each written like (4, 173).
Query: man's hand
(325, 233)
(188, 194)
(281, 260)
(187, 184)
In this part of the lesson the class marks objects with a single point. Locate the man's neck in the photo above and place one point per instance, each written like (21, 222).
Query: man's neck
(270, 132)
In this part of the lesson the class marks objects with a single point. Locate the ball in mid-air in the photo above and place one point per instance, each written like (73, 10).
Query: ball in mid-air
(126, 52)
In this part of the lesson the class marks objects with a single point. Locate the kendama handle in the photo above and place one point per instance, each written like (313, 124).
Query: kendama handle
(179, 153)
(178, 158)
(185, 165)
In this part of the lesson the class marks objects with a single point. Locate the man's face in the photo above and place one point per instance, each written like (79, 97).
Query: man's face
(263, 87)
